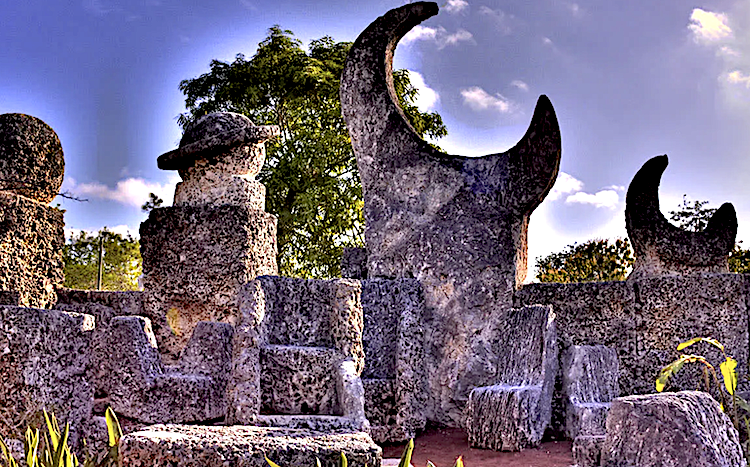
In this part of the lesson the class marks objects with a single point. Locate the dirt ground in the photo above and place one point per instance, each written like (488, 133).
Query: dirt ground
(443, 445)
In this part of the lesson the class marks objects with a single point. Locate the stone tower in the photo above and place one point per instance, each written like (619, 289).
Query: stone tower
(216, 237)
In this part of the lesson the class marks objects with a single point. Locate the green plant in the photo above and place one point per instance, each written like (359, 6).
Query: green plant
(730, 401)
(52, 450)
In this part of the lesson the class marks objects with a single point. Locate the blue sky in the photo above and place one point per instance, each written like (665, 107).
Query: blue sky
(629, 80)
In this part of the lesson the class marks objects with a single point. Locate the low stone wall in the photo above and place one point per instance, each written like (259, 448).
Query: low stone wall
(644, 321)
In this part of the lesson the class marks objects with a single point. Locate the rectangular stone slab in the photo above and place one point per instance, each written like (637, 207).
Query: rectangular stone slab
(244, 446)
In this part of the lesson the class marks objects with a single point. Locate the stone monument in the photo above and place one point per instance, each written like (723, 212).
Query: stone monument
(457, 224)
(216, 237)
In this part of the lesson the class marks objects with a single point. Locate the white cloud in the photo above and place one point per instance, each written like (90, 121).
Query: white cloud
(479, 99)
(419, 33)
(499, 17)
(727, 51)
(456, 6)
(575, 9)
(709, 27)
(737, 77)
(247, 4)
(601, 199)
(439, 36)
(520, 85)
(546, 41)
(426, 96)
(130, 191)
(121, 229)
(564, 185)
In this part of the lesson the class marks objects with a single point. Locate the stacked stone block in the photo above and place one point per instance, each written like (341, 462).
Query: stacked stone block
(216, 237)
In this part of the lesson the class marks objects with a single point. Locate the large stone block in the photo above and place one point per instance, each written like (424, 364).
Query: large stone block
(44, 363)
(195, 259)
(31, 242)
(244, 446)
(670, 429)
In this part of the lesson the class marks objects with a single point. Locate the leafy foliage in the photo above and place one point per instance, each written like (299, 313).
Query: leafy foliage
(594, 260)
(122, 261)
(310, 171)
(695, 216)
(152, 203)
(52, 450)
(731, 403)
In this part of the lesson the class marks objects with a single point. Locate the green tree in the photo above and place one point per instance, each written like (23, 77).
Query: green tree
(122, 261)
(695, 216)
(310, 171)
(594, 260)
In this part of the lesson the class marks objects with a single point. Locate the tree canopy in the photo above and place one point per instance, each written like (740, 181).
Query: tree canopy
(310, 172)
(122, 261)
(593, 260)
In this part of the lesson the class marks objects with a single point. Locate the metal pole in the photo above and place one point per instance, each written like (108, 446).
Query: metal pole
(101, 262)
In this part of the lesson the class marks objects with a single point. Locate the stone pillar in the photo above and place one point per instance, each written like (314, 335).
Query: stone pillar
(31, 232)
(216, 237)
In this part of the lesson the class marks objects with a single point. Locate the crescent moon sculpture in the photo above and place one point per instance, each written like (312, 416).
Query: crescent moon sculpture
(458, 224)
(662, 248)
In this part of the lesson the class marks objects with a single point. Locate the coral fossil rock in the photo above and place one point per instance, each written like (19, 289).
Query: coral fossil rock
(31, 233)
(670, 429)
(457, 224)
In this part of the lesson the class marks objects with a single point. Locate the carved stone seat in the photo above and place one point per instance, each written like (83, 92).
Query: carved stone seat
(513, 414)
(298, 355)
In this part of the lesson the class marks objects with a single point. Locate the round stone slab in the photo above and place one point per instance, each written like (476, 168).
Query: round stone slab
(213, 135)
(31, 158)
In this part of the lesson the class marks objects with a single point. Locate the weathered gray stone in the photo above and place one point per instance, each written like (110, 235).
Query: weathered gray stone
(670, 430)
(44, 363)
(393, 339)
(31, 243)
(590, 382)
(513, 414)
(195, 259)
(354, 263)
(244, 446)
(122, 303)
(587, 450)
(298, 351)
(31, 158)
(142, 388)
(457, 224)
(662, 248)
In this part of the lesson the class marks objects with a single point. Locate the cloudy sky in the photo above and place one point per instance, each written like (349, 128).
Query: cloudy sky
(629, 80)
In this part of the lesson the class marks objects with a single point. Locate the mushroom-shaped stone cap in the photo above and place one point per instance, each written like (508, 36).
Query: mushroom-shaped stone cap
(31, 158)
(212, 136)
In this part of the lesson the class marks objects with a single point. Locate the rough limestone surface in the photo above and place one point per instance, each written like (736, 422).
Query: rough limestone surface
(393, 339)
(298, 352)
(31, 158)
(123, 303)
(670, 430)
(458, 224)
(195, 259)
(142, 388)
(31, 242)
(645, 320)
(354, 263)
(662, 248)
(587, 450)
(44, 363)
(244, 446)
(590, 381)
(514, 413)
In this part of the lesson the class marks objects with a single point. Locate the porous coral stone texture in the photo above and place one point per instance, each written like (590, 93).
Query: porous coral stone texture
(31, 158)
